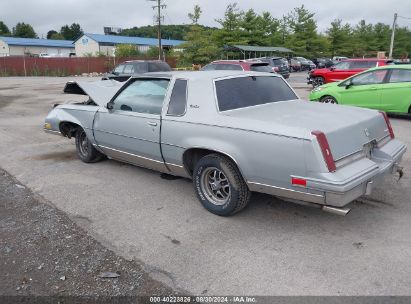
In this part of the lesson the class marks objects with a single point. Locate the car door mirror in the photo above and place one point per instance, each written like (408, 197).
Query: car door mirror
(348, 85)
(110, 105)
(332, 68)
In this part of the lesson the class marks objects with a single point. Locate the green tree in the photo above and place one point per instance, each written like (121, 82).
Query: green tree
(71, 32)
(198, 47)
(363, 39)
(339, 37)
(4, 30)
(195, 15)
(126, 50)
(303, 28)
(52, 34)
(24, 30)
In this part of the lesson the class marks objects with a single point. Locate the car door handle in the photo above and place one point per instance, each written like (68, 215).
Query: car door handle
(152, 123)
(373, 88)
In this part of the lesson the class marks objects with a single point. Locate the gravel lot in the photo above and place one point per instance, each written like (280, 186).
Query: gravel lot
(271, 248)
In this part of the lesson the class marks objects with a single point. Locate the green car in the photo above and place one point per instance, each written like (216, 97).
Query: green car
(386, 88)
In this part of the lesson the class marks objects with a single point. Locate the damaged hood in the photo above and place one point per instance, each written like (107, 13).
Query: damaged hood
(101, 92)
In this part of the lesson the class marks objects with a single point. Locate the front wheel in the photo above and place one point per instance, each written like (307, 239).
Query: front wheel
(219, 185)
(318, 81)
(328, 99)
(85, 150)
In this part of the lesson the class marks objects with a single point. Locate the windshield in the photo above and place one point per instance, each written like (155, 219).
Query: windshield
(241, 92)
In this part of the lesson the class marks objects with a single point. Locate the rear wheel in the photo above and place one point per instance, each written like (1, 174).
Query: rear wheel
(328, 99)
(85, 150)
(219, 185)
(318, 81)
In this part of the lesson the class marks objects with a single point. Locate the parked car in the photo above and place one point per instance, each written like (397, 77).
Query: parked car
(125, 70)
(237, 65)
(337, 59)
(343, 70)
(305, 64)
(323, 63)
(277, 64)
(386, 88)
(295, 65)
(233, 133)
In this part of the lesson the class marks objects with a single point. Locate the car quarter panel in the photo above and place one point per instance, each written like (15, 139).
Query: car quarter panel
(262, 158)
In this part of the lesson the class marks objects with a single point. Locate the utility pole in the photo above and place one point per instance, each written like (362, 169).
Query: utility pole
(394, 25)
(159, 6)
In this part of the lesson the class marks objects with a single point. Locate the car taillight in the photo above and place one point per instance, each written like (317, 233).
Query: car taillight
(387, 121)
(325, 149)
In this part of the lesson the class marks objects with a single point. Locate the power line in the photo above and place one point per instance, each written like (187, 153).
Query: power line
(403, 17)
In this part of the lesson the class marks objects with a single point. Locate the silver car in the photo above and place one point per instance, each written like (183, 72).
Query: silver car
(233, 133)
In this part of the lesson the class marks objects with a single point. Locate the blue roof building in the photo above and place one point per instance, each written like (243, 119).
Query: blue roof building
(98, 43)
(13, 46)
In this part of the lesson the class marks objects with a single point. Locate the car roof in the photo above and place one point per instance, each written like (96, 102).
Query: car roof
(392, 66)
(136, 61)
(365, 59)
(205, 75)
(239, 62)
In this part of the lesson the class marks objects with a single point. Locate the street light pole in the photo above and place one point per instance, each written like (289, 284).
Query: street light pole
(394, 25)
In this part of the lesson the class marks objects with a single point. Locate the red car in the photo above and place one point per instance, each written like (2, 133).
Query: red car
(237, 65)
(343, 70)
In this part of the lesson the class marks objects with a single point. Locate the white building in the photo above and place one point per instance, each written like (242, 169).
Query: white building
(12, 46)
(92, 44)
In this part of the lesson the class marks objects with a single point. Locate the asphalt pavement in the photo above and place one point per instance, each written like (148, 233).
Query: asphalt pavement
(270, 248)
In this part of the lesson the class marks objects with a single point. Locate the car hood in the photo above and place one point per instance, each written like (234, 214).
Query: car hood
(101, 92)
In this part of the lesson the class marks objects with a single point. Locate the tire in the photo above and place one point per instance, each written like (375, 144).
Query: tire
(328, 99)
(219, 185)
(317, 81)
(85, 150)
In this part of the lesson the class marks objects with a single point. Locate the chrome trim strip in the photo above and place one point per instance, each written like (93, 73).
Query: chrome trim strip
(287, 193)
(131, 154)
(178, 170)
(135, 159)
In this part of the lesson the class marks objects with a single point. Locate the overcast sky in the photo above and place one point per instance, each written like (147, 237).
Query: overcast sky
(93, 15)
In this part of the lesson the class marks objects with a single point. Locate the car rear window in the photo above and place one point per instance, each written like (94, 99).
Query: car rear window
(278, 62)
(158, 67)
(241, 92)
(260, 67)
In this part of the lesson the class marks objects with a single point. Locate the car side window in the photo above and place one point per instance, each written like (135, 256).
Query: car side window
(363, 64)
(119, 69)
(128, 69)
(374, 77)
(142, 96)
(209, 67)
(400, 75)
(345, 65)
(140, 67)
(178, 99)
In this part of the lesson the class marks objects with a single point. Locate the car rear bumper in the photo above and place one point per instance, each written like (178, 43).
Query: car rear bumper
(372, 172)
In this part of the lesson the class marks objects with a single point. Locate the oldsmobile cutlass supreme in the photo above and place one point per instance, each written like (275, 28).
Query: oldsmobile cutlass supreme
(233, 133)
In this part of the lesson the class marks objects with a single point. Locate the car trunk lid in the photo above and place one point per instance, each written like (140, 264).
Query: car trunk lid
(347, 129)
